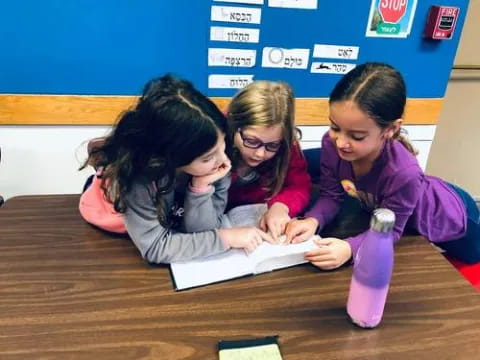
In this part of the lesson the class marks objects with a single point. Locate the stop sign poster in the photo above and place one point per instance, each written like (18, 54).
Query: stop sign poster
(391, 18)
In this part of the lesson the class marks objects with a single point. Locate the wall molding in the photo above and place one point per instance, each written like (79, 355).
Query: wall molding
(104, 110)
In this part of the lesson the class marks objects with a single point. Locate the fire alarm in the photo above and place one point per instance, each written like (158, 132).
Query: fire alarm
(441, 22)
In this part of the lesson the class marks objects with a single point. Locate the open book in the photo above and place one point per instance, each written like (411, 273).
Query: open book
(236, 263)
(245, 215)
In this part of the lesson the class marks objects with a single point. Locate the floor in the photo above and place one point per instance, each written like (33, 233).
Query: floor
(470, 272)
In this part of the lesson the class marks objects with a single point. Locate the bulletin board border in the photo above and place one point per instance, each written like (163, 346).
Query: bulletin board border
(26, 109)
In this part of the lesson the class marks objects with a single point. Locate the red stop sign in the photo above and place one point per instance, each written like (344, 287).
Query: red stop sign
(392, 11)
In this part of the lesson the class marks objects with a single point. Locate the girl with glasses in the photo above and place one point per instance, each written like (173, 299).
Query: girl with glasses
(268, 164)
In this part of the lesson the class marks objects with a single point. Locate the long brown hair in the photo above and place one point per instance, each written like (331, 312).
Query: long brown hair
(379, 90)
(265, 104)
(171, 125)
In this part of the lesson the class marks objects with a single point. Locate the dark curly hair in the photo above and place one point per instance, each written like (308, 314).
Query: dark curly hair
(171, 125)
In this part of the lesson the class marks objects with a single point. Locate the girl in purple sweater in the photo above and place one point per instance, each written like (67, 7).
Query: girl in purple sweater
(365, 156)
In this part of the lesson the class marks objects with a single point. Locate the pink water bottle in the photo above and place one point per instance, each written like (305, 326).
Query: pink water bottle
(372, 271)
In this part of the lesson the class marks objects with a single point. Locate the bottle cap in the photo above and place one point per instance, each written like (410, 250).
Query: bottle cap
(382, 220)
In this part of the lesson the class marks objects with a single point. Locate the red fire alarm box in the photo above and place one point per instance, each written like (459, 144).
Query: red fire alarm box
(441, 22)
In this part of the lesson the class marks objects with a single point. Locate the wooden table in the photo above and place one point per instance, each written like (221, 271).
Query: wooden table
(68, 291)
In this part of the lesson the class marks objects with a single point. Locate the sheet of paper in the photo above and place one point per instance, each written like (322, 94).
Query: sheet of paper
(297, 4)
(336, 51)
(252, 2)
(234, 34)
(243, 15)
(275, 57)
(231, 57)
(218, 81)
(229, 265)
(331, 68)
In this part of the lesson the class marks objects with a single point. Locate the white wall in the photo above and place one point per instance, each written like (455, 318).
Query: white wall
(45, 159)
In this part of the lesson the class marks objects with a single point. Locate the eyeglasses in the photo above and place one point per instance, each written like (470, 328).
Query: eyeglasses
(253, 143)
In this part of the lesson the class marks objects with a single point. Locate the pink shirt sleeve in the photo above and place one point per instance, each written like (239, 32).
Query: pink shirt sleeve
(295, 193)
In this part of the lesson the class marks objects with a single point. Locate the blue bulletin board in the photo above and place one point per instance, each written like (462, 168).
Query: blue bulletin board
(112, 47)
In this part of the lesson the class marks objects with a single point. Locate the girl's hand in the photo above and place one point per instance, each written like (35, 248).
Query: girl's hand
(247, 238)
(275, 220)
(300, 230)
(330, 254)
(206, 180)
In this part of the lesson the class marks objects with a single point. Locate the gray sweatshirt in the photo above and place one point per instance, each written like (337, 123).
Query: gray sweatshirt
(196, 236)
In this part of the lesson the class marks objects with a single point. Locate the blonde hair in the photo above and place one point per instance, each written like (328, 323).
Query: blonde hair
(265, 104)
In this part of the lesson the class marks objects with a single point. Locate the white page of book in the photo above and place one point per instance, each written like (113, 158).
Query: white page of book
(236, 263)
(268, 257)
(245, 215)
(231, 264)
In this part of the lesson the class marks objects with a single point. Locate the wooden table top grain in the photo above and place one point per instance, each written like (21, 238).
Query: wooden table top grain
(69, 291)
